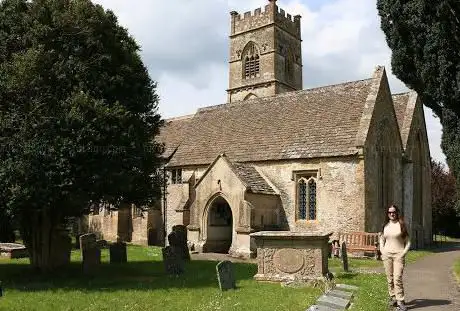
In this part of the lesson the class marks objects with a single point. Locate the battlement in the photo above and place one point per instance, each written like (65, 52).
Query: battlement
(258, 18)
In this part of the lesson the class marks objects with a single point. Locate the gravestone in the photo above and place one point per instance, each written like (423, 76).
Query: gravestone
(344, 257)
(90, 252)
(225, 275)
(172, 261)
(118, 253)
(179, 241)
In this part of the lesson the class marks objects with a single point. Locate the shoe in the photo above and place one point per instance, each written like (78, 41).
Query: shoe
(401, 306)
(392, 301)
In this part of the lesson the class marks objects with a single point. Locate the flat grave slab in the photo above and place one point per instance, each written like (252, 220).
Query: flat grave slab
(346, 287)
(13, 250)
(333, 302)
(340, 294)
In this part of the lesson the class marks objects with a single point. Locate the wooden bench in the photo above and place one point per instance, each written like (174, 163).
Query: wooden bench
(367, 242)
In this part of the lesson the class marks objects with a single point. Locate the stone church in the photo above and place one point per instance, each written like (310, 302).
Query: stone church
(279, 157)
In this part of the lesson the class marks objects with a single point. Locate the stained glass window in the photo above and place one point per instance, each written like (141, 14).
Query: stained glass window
(302, 199)
(312, 199)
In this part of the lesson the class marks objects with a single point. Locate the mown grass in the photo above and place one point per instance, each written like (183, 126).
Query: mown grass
(370, 263)
(372, 293)
(142, 285)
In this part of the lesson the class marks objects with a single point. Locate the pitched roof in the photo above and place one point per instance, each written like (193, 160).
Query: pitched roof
(400, 104)
(404, 104)
(251, 177)
(248, 175)
(173, 132)
(310, 123)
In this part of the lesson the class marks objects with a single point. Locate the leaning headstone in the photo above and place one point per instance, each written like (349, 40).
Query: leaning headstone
(180, 241)
(173, 263)
(225, 275)
(90, 252)
(118, 253)
(344, 257)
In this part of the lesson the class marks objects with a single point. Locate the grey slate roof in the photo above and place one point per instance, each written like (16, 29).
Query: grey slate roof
(309, 123)
(173, 132)
(400, 104)
(404, 113)
(251, 177)
(246, 173)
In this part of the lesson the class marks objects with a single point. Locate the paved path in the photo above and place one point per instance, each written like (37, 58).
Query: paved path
(429, 283)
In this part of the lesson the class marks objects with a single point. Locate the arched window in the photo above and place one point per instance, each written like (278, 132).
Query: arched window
(250, 96)
(311, 199)
(302, 199)
(251, 61)
(306, 201)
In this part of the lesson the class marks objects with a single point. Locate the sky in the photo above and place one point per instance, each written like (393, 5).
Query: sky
(185, 44)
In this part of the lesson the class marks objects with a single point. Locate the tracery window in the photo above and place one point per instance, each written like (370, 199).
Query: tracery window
(306, 198)
(251, 61)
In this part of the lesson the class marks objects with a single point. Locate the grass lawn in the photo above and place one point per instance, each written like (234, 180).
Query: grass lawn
(457, 270)
(362, 263)
(142, 285)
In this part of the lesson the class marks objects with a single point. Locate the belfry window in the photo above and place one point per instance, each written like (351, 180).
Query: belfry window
(251, 61)
(306, 198)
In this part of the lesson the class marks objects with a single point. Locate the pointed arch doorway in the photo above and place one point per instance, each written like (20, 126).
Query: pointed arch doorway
(219, 226)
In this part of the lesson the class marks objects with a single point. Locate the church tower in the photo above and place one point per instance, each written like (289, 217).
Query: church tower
(265, 53)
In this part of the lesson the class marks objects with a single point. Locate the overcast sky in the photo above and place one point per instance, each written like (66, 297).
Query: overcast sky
(185, 47)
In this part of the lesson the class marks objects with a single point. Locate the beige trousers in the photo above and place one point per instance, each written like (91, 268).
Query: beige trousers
(394, 267)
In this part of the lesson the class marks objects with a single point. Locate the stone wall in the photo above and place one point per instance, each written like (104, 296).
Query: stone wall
(383, 156)
(340, 192)
(276, 37)
(340, 197)
(105, 225)
(417, 153)
(128, 224)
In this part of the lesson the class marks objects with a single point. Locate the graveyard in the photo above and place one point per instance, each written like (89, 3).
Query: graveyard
(142, 283)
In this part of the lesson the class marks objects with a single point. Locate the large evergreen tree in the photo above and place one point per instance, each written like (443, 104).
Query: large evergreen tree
(78, 115)
(424, 37)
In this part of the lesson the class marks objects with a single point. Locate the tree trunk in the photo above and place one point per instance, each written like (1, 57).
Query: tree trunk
(48, 247)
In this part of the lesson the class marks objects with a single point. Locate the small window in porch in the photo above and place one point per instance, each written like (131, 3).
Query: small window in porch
(176, 176)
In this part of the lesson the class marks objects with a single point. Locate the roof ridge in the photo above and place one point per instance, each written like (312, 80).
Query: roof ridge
(336, 84)
(401, 94)
(285, 94)
(179, 118)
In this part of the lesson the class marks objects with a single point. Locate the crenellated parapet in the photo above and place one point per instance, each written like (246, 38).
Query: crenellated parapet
(272, 14)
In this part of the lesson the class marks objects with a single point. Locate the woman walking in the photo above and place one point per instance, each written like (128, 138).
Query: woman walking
(394, 245)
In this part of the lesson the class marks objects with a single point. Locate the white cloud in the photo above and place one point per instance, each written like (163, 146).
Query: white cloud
(185, 46)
